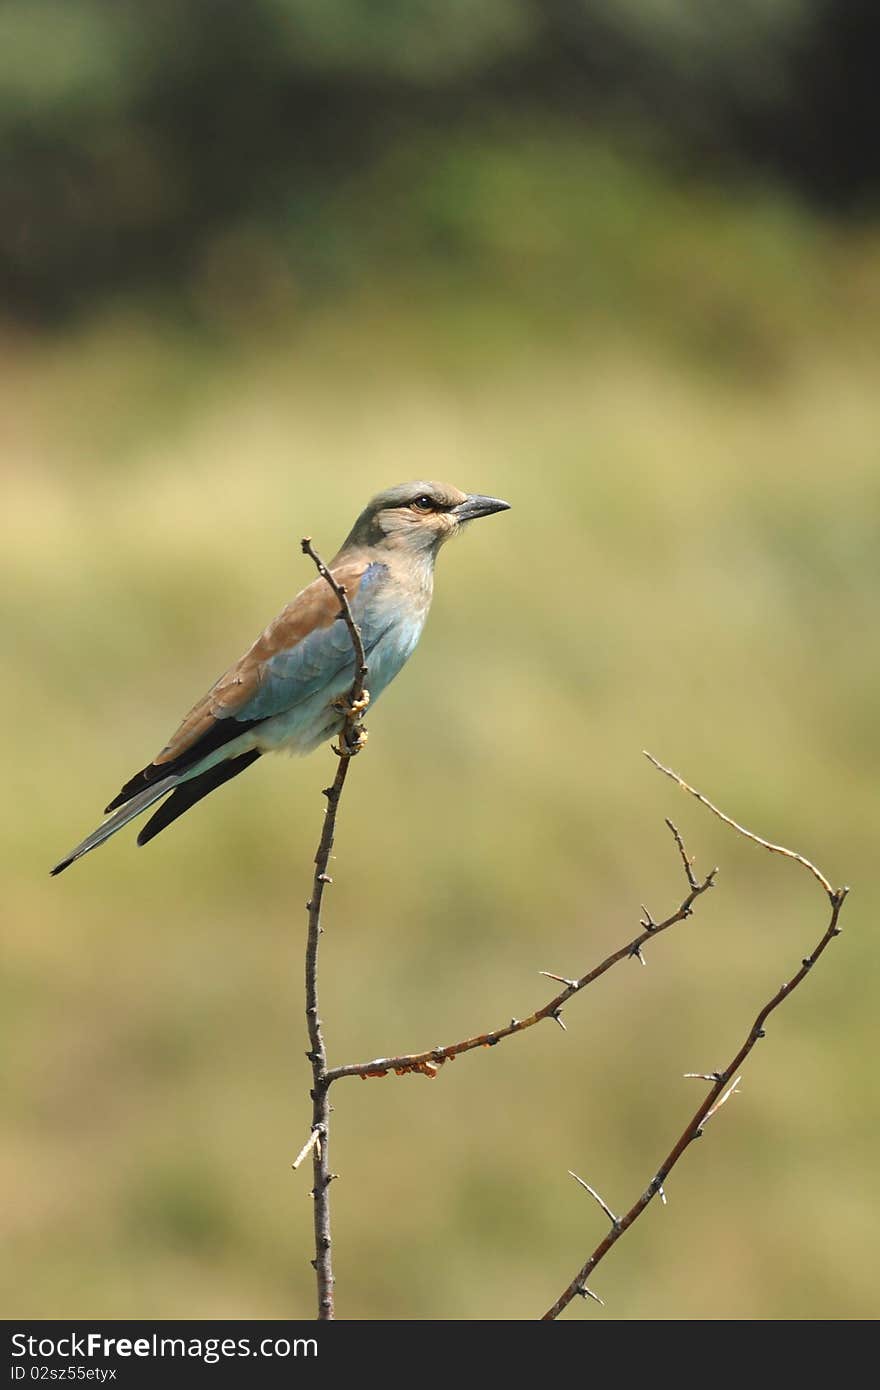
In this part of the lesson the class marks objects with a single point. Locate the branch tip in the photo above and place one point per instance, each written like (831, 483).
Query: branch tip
(741, 829)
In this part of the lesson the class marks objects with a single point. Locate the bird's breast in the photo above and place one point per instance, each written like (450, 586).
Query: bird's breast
(394, 647)
(391, 631)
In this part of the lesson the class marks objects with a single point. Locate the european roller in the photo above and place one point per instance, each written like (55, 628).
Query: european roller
(288, 690)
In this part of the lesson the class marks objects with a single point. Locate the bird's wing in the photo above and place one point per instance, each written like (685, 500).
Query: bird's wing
(301, 649)
(298, 653)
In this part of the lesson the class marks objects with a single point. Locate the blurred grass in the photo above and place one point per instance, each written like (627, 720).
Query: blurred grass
(679, 395)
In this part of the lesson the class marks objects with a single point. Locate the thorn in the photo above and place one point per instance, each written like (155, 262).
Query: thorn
(514, 1023)
(313, 1142)
(560, 979)
(324, 878)
(657, 1184)
(722, 1100)
(557, 1014)
(636, 951)
(594, 1194)
(588, 1293)
(647, 921)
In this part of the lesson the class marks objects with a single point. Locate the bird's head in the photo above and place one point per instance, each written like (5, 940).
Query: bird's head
(419, 516)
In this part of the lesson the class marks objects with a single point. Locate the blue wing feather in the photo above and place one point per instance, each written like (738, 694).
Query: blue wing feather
(292, 676)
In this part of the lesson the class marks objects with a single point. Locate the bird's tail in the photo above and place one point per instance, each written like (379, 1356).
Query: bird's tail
(126, 813)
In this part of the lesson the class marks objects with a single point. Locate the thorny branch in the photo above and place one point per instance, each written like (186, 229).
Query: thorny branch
(351, 739)
(722, 1088)
(428, 1063)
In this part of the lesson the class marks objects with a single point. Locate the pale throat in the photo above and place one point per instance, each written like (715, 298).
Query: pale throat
(411, 562)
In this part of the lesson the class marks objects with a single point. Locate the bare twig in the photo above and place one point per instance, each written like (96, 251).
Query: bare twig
(721, 1091)
(740, 829)
(350, 741)
(428, 1063)
(686, 861)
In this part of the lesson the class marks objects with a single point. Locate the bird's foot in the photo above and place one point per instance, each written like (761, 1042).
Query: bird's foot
(351, 741)
(352, 735)
(352, 709)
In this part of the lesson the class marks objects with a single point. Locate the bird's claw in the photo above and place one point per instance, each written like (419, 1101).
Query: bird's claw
(352, 735)
(352, 709)
(351, 742)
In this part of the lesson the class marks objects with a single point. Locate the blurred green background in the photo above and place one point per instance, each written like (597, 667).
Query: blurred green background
(619, 263)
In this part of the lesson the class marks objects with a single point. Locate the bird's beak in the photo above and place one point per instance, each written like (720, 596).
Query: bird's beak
(475, 505)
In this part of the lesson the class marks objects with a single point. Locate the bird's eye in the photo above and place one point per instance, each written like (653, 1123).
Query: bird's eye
(422, 504)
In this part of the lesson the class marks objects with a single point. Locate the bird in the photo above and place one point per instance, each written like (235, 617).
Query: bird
(288, 691)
